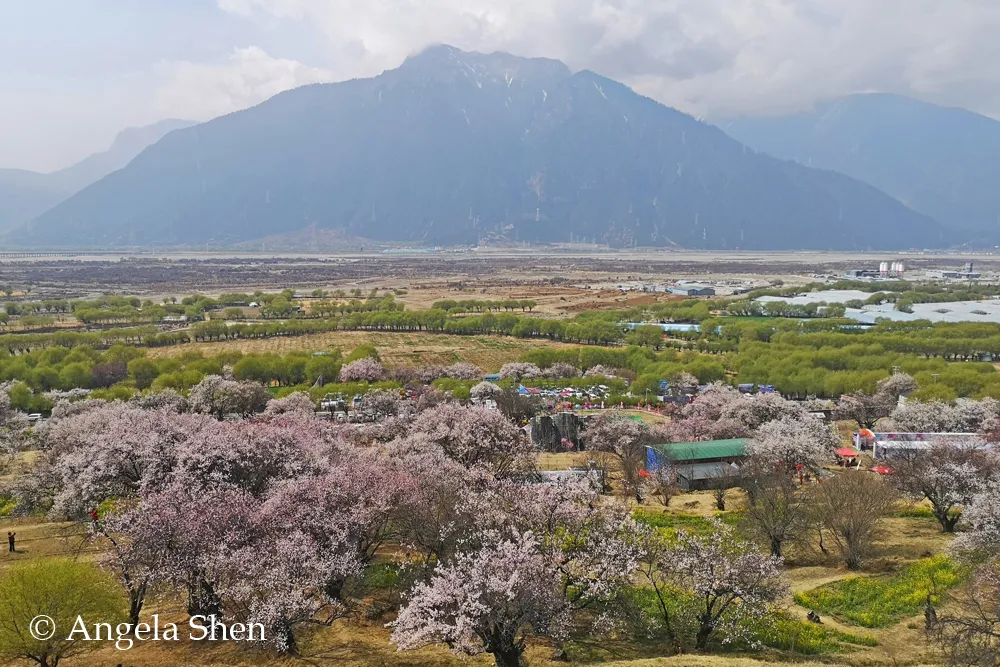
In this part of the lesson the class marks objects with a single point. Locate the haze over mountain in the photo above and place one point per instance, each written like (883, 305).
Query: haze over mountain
(26, 194)
(944, 162)
(453, 147)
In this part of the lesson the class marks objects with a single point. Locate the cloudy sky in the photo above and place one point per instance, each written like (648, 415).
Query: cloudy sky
(75, 72)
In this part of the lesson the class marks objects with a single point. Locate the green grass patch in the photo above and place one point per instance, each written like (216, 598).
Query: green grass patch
(382, 577)
(879, 602)
(671, 522)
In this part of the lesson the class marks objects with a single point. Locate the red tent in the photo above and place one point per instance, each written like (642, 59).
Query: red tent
(847, 453)
(882, 470)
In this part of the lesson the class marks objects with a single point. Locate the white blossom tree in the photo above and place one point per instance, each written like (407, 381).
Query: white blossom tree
(867, 409)
(964, 416)
(726, 578)
(519, 370)
(982, 519)
(626, 440)
(788, 443)
(219, 397)
(484, 391)
(968, 632)
(948, 475)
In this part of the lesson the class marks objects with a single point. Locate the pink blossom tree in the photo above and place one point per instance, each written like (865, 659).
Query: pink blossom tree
(463, 371)
(381, 404)
(474, 436)
(182, 536)
(710, 404)
(167, 399)
(114, 451)
(487, 600)
(436, 513)
(298, 402)
(252, 455)
(537, 553)
(362, 370)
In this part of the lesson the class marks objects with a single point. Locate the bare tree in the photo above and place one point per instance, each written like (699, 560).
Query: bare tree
(852, 507)
(516, 406)
(969, 634)
(777, 513)
(725, 478)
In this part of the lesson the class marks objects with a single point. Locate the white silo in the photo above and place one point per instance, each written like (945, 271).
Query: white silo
(883, 268)
(902, 269)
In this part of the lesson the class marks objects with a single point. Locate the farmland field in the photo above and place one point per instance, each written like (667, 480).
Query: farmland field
(395, 349)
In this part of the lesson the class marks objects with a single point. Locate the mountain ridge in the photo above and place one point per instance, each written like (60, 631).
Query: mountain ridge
(26, 194)
(454, 147)
(942, 161)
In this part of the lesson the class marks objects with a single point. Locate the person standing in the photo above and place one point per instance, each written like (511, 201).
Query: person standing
(10, 540)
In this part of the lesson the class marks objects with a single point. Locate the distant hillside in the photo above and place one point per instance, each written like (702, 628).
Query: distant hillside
(943, 162)
(453, 147)
(26, 194)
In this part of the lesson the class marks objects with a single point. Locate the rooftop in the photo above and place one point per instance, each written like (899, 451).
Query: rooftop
(704, 451)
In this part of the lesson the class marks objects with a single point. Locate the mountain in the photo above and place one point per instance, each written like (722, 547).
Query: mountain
(943, 162)
(26, 194)
(455, 147)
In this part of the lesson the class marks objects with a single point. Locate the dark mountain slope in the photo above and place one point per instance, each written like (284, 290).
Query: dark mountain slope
(26, 194)
(941, 161)
(453, 147)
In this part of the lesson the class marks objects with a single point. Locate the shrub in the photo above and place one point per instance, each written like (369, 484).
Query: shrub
(62, 590)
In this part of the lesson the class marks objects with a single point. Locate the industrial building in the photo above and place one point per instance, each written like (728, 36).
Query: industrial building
(692, 289)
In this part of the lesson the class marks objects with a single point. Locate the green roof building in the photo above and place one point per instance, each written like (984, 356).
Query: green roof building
(700, 465)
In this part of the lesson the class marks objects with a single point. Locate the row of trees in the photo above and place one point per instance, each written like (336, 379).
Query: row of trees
(459, 307)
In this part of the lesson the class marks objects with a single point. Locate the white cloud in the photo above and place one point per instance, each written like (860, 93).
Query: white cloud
(707, 56)
(247, 77)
